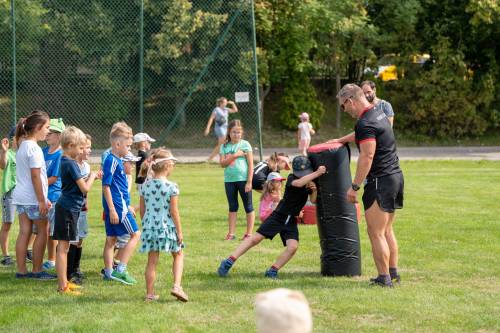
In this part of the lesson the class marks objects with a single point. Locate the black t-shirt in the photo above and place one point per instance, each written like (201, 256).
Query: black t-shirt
(373, 125)
(71, 197)
(143, 155)
(260, 172)
(294, 198)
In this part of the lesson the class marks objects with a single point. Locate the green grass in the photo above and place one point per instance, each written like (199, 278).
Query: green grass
(449, 240)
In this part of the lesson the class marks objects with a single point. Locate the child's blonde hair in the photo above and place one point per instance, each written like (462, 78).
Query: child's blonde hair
(151, 165)
(72, 136)
(269, 188)
(283, 310)
(120, 130)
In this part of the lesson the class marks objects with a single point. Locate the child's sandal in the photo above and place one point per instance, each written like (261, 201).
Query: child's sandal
(230, 237)
(152, 298)
(178, 293)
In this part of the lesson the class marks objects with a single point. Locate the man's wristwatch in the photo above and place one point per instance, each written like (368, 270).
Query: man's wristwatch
(354, 187)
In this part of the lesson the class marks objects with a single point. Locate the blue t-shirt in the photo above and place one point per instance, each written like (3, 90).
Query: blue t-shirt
(53, 164)
(114, 176)
(385, 107)
(104, 155)
(71, 197)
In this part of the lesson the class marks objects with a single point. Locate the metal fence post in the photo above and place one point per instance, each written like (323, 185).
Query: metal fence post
(254, 39)
(141, 69)
(14, 78)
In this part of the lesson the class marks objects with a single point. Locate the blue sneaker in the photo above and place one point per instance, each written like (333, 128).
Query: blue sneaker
(23, 276)
(271, 273)
(225, 266)
(43, 275)
(48, 265)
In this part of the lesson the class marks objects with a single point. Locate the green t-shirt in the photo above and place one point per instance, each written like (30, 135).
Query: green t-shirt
(237, 171)
(9, 173)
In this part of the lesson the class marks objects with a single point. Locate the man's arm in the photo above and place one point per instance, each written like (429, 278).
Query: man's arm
(345, 139)
(366, 154)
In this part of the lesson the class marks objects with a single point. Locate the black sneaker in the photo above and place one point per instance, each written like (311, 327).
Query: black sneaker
(7, 261)
(78, 274)
(396, 278)
(381, 282)
(76, 279)
(29, 256)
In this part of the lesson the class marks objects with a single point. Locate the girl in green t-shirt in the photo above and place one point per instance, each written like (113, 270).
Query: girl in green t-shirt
(8, 165)
(237, 160)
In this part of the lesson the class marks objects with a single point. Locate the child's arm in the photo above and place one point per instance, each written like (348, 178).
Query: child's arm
(52, 180)
(298, 135)
(311, 130)
(226, 160)
(209, 123)
(4, 147)
(314, 192)
(248, 185)
(113, 215)
(142, 207)
(36, 179)
(85, 185)
(174, 211)
(301, 182)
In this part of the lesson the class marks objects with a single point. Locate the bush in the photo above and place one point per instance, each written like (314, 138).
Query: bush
(299, 96)
(438, 100)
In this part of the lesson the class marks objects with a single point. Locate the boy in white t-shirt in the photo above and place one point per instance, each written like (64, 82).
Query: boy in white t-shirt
(305, 129)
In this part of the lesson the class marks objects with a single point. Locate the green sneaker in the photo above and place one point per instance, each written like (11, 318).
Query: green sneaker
(123, 277)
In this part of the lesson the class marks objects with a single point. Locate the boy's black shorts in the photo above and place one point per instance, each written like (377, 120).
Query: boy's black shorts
(387, 190)
(66, 224)
(276, 223)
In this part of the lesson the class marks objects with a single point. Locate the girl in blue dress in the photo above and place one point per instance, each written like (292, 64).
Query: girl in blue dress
(161, 223)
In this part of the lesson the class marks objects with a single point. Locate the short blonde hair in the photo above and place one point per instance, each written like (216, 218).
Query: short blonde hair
(283, 310)
(120, 130)
(72, 136)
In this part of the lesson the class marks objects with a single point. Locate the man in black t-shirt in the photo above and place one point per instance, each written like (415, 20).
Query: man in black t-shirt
(282, 220)
(378, 168)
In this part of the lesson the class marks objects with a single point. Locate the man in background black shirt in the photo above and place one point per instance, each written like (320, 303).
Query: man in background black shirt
(377, 167)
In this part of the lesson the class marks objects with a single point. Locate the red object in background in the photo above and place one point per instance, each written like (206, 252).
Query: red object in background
(308, 215)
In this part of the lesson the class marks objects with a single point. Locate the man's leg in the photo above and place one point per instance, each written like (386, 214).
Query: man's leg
(377, 221)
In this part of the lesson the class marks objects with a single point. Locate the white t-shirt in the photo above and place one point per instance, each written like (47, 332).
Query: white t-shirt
(304, 129)
(29, 156)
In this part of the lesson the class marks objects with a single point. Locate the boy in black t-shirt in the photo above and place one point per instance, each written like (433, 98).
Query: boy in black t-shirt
(282, 221)
(69, 204)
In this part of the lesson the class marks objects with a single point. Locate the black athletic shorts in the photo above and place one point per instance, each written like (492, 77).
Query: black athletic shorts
(387, 190)
(278, 223)
(66, 224)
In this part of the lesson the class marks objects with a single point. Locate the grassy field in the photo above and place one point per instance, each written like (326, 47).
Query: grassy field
(449, 236)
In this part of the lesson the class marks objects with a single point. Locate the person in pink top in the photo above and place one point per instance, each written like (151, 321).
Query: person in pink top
(271, 195)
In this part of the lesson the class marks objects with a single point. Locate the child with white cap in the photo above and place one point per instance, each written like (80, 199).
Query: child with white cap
(142, 142)
(305, 129)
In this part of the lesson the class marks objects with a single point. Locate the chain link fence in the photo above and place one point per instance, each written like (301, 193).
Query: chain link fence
(159, 65)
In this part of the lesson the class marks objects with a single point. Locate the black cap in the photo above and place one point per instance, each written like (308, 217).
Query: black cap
(12, 133)
(301, 166)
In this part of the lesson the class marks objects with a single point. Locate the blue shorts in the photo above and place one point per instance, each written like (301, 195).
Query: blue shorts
(31, 212)
(127, 226)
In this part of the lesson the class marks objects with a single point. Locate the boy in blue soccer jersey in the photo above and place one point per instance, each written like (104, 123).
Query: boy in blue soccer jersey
(52, 155)
(119, 215)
